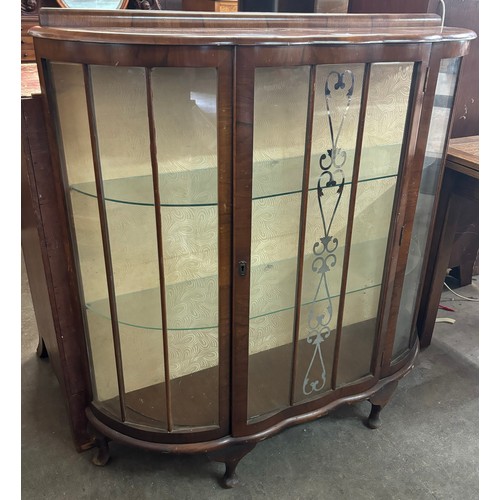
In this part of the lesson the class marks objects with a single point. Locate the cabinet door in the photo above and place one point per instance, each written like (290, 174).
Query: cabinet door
(146, 160)
(321, 142)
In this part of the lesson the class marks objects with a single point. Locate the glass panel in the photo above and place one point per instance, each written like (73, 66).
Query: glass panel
(358, 334)
(386, 117)
(194, 373)
(76, 151)
(87, 230)
(443, 103)
(270, 363)
(185, 112)
(280, 111)
(336, 110)
(372, 219)
(184, 104)
(122, 127)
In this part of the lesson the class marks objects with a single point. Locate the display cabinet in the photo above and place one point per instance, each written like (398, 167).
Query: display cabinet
(236, 199)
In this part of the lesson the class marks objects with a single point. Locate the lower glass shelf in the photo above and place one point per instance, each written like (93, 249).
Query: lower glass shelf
(193, 304)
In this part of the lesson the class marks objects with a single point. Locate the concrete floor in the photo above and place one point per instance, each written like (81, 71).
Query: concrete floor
(427, 447)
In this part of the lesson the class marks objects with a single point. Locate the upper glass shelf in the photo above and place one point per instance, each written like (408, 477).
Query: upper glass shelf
(198, 187)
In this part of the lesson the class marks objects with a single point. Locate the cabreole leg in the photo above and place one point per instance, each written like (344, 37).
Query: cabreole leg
(101, 456)
(378, 401)
(41, 350)
(231, 457)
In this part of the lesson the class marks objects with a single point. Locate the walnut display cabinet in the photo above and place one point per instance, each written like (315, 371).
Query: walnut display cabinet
(242, 203)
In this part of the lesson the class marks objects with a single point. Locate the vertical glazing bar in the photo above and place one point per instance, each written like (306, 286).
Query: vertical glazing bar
(350, 218)
(105, 235)
(302, 225)
(159, 240)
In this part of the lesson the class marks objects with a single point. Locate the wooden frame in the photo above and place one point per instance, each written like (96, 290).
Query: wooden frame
(220, 59)
(247, 60)
(205, 41)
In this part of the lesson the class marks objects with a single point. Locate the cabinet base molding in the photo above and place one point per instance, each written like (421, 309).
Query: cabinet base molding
(231, 450)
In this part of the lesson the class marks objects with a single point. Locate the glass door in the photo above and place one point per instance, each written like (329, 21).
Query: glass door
(327, 153)
(141, 154)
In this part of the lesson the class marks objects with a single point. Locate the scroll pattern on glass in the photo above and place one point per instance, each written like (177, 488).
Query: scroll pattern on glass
(330, 187)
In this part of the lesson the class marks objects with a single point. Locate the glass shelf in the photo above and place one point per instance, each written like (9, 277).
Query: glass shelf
(199, 187)
(192, 305)
(187, 188)
(272, 297)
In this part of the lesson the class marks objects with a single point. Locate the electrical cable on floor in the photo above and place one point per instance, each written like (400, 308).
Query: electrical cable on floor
(461, 296)
(445, 320)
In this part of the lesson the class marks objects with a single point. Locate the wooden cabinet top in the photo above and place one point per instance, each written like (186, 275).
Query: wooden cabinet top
(185, 28)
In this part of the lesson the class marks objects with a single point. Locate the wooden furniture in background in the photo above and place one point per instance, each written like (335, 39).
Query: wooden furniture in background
(29, 18)
(298, 6)
(221, 261)
(42, 243)
(455, 238)
(465, 14)
(393, 6)
(210, 5)
(27, 50)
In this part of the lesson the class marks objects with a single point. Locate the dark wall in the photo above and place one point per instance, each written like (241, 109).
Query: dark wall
(459, 14)
(401, 6)
(465, 14)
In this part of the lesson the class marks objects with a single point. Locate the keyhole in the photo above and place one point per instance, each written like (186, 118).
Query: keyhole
(242, 267)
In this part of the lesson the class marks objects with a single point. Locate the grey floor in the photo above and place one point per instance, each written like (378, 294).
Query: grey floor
(427, 447)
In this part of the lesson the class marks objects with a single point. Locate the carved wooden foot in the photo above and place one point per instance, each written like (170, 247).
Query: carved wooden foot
(373, 421)
(231, 458)
(41, 350)
(101, 456)
(378, 401)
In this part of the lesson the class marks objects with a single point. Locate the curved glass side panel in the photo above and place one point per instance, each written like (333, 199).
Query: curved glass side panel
(434, 155)
(68, 94)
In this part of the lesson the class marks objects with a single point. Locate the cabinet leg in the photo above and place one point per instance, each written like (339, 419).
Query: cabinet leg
(231, 458)
(41, 350)
(374, 418)
(378, 401)
(101, 456)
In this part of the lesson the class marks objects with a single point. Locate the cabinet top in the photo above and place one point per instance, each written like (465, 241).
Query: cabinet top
(196, 28)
